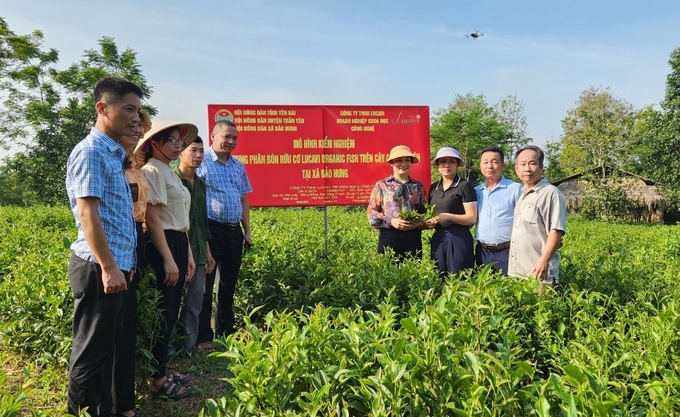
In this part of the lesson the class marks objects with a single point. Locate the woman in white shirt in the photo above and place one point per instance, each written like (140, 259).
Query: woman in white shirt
(169, 253)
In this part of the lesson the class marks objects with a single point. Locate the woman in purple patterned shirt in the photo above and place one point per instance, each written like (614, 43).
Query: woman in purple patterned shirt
(389, 197)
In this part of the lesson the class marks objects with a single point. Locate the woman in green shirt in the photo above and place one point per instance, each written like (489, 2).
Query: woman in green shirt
(190, 159)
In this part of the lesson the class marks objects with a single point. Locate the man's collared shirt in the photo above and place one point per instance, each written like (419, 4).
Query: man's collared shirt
(226, 183)
(495, 210)
(538, 211)
(95, 169)
(198, 217)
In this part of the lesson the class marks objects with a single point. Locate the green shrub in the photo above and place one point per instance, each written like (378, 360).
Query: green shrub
(329, 327)
(35, 299)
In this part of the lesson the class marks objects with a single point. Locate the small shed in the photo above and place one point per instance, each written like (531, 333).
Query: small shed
(643, 193)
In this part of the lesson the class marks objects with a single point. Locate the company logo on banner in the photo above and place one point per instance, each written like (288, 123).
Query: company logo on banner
(224, 115)
(322, 155)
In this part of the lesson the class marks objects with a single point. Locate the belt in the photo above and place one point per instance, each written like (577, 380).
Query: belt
(229, 226)
(495, 248)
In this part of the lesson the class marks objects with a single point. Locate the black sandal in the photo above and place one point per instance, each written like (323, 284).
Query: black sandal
(171, 389)
(177, 378)
(137, 413)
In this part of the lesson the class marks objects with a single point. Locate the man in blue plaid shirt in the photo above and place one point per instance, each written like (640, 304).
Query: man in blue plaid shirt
(103, 255)
(228, 210)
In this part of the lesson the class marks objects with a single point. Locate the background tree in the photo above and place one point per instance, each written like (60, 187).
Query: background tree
(646, 121)
(12, 193)
(553, 171)
(49, 110)
(510, 111)
(24, 80)
(661, 160)
(598, 133)
(470, 124)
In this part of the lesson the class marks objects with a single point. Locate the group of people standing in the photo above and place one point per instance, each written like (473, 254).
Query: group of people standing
(519, 227)
(134, 207)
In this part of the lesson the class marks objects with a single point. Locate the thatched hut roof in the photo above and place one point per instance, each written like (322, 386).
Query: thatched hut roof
(641, 191)
(610, 171)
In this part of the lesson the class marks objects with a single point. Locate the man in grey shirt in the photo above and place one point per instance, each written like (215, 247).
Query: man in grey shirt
(540, 221)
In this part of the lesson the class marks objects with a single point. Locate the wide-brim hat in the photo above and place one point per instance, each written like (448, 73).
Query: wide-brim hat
(448, 151)
(187, 132)
(401, 150)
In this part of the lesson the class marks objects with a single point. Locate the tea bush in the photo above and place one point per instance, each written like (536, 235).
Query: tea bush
(603, 344)
(330, 328)
(293, 266)
(36, 303)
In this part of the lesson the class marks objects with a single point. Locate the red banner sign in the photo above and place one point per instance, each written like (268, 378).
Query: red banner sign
(322, 155)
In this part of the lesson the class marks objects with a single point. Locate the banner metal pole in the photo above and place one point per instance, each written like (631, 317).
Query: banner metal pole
(325, 228)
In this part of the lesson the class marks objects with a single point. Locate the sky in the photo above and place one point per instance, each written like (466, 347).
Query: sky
(373, 52)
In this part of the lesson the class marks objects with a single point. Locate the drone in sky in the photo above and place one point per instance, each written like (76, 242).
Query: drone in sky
(474, 35)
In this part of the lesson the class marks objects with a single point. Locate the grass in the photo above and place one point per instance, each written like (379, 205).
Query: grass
(207, 373)
(44, 386)
(47, 389)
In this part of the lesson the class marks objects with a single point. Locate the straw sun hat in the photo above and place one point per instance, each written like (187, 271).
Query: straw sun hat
(401, 150)
(187, 132)
(146, 120)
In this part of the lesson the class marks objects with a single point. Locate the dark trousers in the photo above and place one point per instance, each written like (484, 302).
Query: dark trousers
(451, 249)
(226, 247)
(97, 326)
(403, 242)
(171, 295)
(124, 351)
(486, 256)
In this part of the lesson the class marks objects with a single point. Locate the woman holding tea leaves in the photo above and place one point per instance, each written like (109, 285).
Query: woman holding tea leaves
(455, 208)
(394, 206)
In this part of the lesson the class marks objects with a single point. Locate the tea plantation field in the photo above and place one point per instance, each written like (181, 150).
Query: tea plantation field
(328, 328)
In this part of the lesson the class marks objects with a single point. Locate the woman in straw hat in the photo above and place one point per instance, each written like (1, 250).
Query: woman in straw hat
(455, 208)
(169, 253)
(390, 196)
(123, 388)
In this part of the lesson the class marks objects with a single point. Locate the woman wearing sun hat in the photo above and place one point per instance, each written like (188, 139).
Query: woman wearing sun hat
(455, 209)
(167, 222)
(392, 194)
